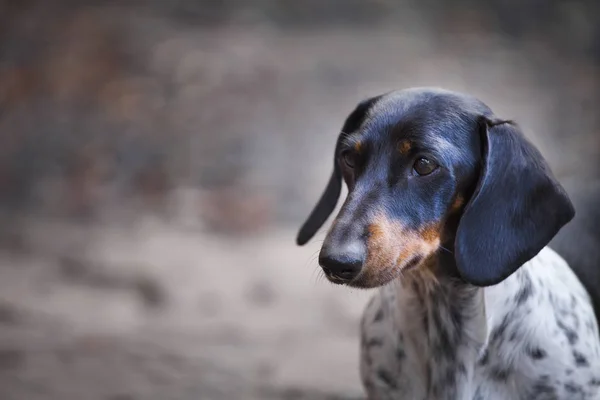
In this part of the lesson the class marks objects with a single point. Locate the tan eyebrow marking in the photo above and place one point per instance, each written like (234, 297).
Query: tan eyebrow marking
(458, 202)
(405, 147)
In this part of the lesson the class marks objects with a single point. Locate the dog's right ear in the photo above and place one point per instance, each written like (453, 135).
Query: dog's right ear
(517, 208)
(330, 197)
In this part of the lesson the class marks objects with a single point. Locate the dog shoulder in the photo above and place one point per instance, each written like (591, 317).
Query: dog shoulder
(544, 278)
(541, 319)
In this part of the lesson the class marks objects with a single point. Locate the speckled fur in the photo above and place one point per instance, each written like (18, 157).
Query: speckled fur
(531, 337)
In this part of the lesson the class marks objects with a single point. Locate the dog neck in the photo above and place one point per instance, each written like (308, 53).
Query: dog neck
(450, 324)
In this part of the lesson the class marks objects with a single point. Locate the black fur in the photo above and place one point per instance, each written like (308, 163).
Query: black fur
(518, 204)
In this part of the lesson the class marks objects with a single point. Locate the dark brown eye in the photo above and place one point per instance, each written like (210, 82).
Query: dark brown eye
(349, 159)
(424, 166)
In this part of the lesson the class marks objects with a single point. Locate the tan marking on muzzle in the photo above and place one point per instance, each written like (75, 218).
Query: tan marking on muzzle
(391, 245)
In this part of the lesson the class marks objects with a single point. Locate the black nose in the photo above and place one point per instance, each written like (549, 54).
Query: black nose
(342, 263)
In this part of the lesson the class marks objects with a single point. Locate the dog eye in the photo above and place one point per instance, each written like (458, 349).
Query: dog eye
(424, 166)
(349, 159)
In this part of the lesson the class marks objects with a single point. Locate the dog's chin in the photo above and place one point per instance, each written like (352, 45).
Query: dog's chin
(372, 283)
(370, 280)
(362, 281)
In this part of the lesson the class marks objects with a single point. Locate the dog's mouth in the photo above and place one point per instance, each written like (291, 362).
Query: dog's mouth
(375, 277)
(333, 278)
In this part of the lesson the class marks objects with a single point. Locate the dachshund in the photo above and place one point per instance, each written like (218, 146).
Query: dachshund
(449, 214)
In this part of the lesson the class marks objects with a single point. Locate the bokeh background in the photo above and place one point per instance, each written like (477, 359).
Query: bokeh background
(157, 157)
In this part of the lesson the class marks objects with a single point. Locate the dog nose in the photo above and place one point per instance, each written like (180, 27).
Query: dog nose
(342, 263)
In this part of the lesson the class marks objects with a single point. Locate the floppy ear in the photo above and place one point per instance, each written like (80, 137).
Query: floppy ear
(330, 197)
(518, 206)
(324, 207)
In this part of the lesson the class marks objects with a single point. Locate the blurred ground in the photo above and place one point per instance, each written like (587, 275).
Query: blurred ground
(158, 312)
(157, 159)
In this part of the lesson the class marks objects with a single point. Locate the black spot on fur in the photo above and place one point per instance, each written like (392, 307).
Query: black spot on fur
(580, 359)
(536, 353)
(572, 387)
(499, 374)
(569, 371)
(415, 286)
(543, 389)
(425, 323)
(449, 379)
(443, 347)
(499, 332)
(387, 378)
(595, 381)
(400, 354)
(525, 291)
(483, 360)
(457, 318)
(575, 321)
(573, 301)
(379, 315)
(590, 325)
(570, 334)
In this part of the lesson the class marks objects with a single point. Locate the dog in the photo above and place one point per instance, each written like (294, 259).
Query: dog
(449, 213)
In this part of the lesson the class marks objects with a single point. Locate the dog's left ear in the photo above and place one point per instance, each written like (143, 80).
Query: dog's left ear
(323, 208)
(518, 206)
(331, 195)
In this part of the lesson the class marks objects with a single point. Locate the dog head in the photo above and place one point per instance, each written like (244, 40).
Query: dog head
(431, 171)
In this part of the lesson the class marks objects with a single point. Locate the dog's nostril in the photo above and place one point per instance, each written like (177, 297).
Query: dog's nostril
(343, 263)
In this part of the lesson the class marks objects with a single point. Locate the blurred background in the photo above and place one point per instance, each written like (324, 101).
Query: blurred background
(158, 156)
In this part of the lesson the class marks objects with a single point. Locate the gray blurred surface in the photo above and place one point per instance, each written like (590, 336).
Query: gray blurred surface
(158, 157)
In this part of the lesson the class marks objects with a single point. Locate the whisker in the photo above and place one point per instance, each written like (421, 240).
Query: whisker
(311, 259)
(314, 276)
(320, 277)
(443, 248)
